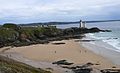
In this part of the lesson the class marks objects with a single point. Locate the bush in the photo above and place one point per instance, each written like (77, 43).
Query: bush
(11, 26)
(8, 35)
(27, 33)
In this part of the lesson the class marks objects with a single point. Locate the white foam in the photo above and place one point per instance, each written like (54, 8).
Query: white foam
(92, 43)
(92, 35)
(113, 42)
(109, 40)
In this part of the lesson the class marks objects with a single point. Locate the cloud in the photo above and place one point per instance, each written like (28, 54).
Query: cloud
(57, 10)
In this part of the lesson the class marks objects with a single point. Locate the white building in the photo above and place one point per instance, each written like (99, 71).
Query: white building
(82, 24)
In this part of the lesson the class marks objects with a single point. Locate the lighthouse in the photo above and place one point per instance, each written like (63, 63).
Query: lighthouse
(82, 24)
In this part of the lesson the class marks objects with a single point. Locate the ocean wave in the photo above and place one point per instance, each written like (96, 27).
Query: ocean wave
(109, 40)
(92, 35)
(113, 42)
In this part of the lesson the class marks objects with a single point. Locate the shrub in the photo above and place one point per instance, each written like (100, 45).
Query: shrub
(26, 33)
(8, 65)
(8, 35)
(11, 26)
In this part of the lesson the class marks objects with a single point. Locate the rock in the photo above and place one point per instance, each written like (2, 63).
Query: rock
(110, 71)
(85, 70)
(80, 69)
(115, 38)
(95, 29)
(106, 30)
(86, 40)
(87, 65)
(114, 67)
(62, 62)
(58, 43)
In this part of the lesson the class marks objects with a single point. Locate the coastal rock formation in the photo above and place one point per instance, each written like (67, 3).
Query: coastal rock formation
(110, 71)
(14, 35)
(86, 70)
(76, 69)
(62, 62)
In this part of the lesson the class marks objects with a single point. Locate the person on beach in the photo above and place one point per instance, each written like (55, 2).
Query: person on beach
(55, 51)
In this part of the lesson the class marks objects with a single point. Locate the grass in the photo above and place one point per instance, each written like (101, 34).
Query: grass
(10, 66)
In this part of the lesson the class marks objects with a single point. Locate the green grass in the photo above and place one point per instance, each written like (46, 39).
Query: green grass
(10, 66)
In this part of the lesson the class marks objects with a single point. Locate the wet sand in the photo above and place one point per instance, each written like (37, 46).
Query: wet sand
(103, 49)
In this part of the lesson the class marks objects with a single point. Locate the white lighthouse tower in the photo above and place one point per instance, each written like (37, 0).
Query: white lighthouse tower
(82, 24)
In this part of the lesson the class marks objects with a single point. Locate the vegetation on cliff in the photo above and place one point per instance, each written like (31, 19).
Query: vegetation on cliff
(14, 35)
(11, 66)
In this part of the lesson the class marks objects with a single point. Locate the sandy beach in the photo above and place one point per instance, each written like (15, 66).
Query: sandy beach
(71, 51)
(42, 55)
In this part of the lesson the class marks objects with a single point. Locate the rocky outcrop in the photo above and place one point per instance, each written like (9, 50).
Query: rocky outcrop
(14, 35)
(86, 68)
(62, 62)
(110, 71)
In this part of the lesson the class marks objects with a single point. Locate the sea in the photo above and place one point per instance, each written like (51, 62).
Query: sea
(111, 38)
(107, 44)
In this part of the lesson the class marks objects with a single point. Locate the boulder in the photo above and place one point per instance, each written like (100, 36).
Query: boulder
(62, 62)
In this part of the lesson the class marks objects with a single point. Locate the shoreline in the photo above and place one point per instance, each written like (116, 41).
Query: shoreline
(71, 51)
(102, 48)
(107, 53)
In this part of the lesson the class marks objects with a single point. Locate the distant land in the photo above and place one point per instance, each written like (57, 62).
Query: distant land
(63, 23)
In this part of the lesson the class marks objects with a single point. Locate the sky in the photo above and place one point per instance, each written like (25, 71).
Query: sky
(29, 11)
